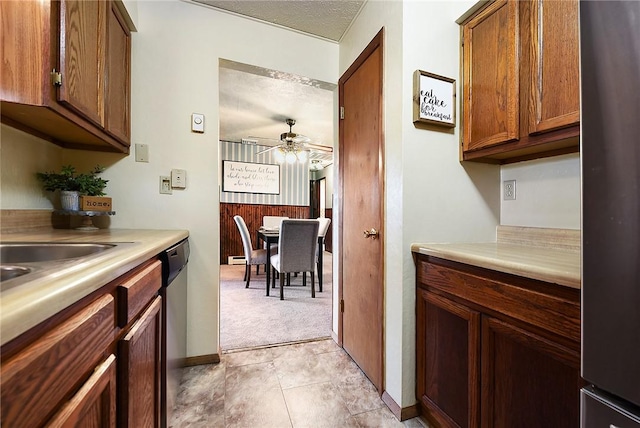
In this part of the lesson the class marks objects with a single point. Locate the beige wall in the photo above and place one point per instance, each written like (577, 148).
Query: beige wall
(21, 156)
(547, 193)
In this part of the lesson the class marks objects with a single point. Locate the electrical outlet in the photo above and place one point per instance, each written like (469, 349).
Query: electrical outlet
(509, 190)
(165, 185)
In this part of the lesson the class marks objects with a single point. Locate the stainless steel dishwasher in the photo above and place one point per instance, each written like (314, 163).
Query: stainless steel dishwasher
(174, 324)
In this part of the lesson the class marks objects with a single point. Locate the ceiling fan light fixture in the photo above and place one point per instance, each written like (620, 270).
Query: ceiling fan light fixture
(291, 157)
(303, 155)
(279, 155)
(316, 165)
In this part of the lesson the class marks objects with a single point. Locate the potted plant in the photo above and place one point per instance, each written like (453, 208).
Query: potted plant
(72, 185)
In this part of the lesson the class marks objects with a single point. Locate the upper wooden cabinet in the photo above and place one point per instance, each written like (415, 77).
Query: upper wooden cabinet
(521, 80)
(66, 72)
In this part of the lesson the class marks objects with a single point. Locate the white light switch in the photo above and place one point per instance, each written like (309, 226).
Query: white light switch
(142, 153)
(197, 122)
(178, 178)
(165, 185)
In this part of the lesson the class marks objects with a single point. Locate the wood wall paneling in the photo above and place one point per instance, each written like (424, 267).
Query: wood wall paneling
(230, 241)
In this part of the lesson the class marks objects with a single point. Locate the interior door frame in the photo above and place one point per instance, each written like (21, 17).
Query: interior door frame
(376, 43)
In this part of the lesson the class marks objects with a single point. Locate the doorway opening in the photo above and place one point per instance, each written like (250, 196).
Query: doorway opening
(249, 318)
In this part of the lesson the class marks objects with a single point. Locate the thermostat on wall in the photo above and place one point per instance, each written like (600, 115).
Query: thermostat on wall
(197, 122)
(178, 178)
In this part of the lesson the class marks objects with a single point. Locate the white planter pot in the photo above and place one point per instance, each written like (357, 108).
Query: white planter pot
(70, 200)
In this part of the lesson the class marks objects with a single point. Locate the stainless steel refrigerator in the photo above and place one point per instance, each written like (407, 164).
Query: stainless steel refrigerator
(610, 155)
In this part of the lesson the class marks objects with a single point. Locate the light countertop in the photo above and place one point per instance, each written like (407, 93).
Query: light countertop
(24, 306)
(558, 262)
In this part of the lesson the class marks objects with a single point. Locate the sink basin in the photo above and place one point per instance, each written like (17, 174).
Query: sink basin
(10, 272)
(46, 252)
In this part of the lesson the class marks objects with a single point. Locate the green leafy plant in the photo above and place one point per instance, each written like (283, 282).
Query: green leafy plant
(88, 184)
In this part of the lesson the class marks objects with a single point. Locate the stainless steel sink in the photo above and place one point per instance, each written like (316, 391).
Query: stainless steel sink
(46, 252)
(10, 272)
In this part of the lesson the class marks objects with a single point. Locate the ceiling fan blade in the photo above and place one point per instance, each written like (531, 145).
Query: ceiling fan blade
(263, 141)
(267, 150)
(319, 147)
(262, 138)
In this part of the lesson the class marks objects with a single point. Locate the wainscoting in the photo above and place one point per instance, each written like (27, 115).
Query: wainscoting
(230, 241)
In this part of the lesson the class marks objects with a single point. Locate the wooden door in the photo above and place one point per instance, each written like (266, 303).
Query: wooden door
(361, 173)
(82, 53)
(527, 380)
(490, 77)
(447, 361)
(139, 371)
(555, 70)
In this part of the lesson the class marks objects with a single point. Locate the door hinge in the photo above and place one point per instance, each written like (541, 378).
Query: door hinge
(56, 78)
(341, 305)
(341, 113)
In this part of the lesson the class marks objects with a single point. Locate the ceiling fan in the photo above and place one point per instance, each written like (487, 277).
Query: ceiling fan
(293, 147)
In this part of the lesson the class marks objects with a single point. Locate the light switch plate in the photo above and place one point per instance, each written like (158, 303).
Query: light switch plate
(142, 153)
(197, 122)
(178, 178)
(165, 185)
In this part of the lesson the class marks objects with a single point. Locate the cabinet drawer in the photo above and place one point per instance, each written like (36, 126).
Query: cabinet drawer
(36, 381)
(137, 291)
(555, 313)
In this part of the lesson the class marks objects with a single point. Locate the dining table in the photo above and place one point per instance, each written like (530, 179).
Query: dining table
(272, 236)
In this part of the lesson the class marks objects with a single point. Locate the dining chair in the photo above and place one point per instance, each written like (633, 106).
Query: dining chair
(322, 233)
(297, 243)
(252, 257)
(272, 222)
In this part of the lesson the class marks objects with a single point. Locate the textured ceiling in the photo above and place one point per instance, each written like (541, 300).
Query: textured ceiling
(255, 102)
(328, 19)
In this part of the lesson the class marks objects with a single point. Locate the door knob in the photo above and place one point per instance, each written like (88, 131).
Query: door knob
(371, 233)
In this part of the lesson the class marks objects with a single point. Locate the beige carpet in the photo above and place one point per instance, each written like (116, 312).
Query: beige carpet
(248, 318)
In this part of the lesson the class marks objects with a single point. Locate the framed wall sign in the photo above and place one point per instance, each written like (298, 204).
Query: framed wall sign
(247, 177)
(434, 99)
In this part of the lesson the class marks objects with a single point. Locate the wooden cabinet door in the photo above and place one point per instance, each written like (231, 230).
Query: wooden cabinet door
(36, 381)
(95, 403)
(527, 380)
(555, 71)
(490, 76)
(447, 360)
(139, 371)
(117, 115)
(82, 53)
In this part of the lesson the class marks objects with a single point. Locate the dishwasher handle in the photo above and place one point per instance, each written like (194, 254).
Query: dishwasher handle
(174, 259)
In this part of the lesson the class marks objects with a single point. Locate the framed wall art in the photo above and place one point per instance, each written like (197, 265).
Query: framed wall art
(434, 99)
(247, 177)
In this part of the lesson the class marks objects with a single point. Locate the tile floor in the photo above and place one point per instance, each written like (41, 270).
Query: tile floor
(312, 384)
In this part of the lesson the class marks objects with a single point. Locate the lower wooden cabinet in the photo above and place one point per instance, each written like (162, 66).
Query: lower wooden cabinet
(96, 364)
(139, 371)
(448, 360)
(485, 358)
(528, 380)
(38, 380)
(95, 403)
